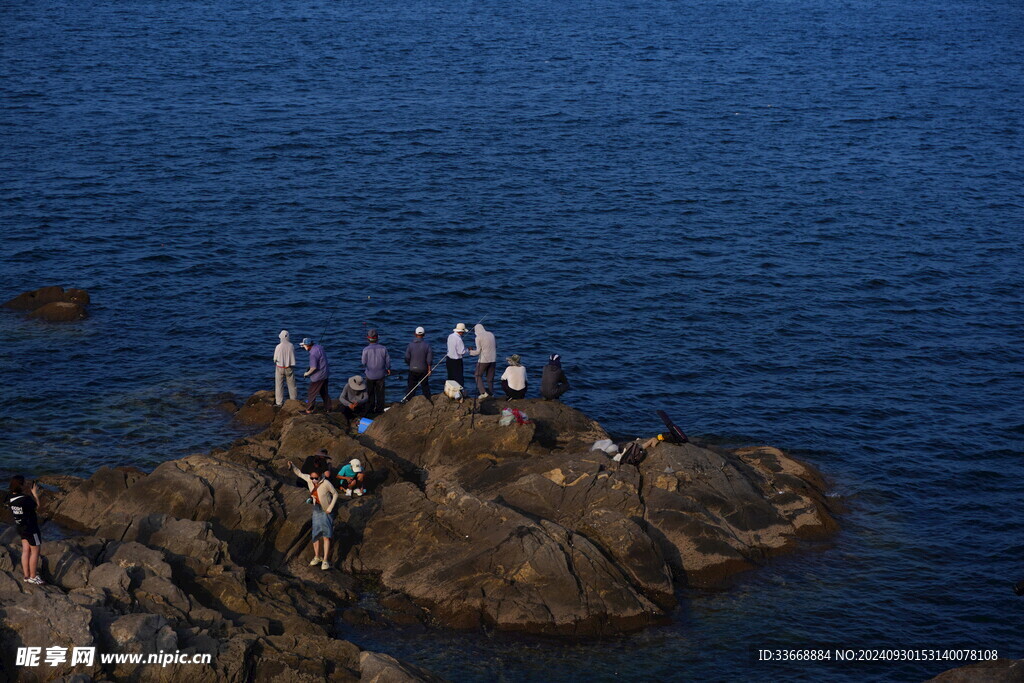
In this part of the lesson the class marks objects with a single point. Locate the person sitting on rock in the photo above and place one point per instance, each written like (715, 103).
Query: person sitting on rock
(513, 380)
(351, 476)
(553, 382)
(23, 507)
(325, 496)
(354, 399)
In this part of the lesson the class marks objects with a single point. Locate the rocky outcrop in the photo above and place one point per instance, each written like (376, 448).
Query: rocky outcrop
(995, 671)
(53, 304)
(468, 523)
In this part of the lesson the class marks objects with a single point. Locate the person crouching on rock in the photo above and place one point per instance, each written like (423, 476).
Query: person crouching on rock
(318, 375)
(513, 380)
(351, 476)
(354, 399)
(23, 506)
(324, 499)
(553, 382)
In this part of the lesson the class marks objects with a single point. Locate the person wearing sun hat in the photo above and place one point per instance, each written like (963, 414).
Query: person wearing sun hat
(354, 398)
(351, 476)
(456, 350)
(513, 380)
(377, 366)
(420, 359)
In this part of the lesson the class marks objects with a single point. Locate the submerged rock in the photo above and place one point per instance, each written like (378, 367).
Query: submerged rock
(468, 523)
(30, 301)
(53, 304)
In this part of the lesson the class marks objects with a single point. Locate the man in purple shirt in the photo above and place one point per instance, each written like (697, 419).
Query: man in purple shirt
(318, 375)
(377, 366)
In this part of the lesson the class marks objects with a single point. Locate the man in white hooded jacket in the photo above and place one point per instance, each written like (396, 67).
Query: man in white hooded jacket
(284, 359)
(487, 352)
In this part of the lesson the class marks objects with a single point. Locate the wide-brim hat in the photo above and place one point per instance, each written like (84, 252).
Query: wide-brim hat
(514, 359)
(461, 327)
(357, 382)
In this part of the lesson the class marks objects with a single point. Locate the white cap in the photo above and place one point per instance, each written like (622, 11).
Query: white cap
(356, 465)
(420, 330)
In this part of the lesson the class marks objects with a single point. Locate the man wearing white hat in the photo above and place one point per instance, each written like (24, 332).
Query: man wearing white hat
(318, 375)
(456, 350)
(420, 359)
(350, 476)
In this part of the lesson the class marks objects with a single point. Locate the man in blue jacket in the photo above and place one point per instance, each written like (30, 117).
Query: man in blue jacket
(377, 366)
(420, 359)
(318, 375)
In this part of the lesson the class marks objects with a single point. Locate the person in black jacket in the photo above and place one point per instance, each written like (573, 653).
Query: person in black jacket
(553, 382)
(23, 506)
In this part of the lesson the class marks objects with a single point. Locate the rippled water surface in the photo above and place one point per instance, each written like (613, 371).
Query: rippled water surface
(793, 222)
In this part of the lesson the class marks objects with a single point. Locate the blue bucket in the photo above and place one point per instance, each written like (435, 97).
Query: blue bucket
(364, 424)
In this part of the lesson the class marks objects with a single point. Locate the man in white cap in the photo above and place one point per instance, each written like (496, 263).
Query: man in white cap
(351, 478)
(456, 350)
(284, 359)
(420, 359)
(318, 374)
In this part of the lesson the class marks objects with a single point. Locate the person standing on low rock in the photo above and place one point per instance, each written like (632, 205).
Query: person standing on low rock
(318, 375)
(377, 366)
(456, 351)
(325, 497)
(420, 359)
(354, 398)
(487, 351)
(513, 380)
(23, 507)
(553, 382)
(284, 359)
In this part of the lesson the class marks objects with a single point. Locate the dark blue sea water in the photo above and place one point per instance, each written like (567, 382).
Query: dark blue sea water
(793, 222)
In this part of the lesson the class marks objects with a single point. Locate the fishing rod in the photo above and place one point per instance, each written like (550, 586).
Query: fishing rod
(413, 390)
(324, 333)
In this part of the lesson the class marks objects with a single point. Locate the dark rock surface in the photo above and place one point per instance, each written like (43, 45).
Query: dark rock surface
(468, 523)
(53, 304)
(996, 671)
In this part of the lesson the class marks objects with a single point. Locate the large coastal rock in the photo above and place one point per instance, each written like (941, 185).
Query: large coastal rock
(468, 523)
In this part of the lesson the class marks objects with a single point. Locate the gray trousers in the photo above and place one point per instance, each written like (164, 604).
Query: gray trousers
(279, 377)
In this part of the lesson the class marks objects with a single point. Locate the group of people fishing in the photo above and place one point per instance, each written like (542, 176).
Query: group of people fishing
(365, 394)
(362, 395)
